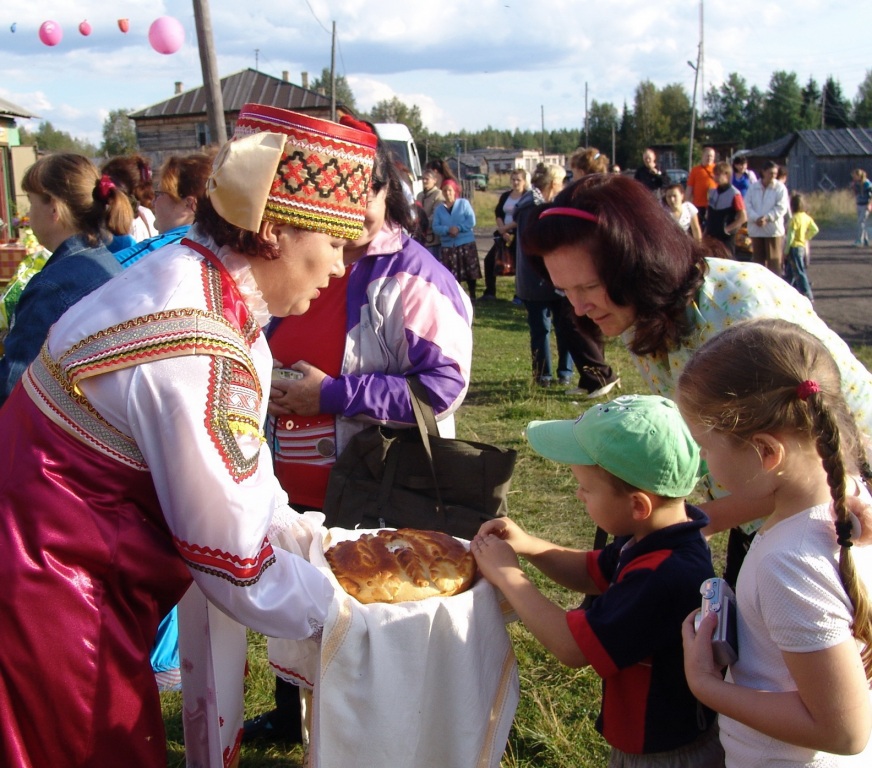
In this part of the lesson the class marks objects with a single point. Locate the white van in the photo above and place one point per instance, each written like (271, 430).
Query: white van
(399, 140)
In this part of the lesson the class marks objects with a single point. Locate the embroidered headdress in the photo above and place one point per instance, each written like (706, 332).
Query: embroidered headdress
(293, 169)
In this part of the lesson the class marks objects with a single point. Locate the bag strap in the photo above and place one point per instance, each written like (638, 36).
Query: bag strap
(421, 406)
(426, 421)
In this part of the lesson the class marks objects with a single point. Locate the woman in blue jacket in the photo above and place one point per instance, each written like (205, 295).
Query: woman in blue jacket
(74, 211)
(453, 222)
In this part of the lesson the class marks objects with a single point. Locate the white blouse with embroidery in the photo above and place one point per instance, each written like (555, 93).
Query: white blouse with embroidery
(197, 421)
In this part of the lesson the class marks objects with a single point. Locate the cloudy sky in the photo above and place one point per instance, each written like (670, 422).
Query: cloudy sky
(465, 64)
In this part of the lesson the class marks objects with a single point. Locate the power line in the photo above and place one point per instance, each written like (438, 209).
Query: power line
(314, 16)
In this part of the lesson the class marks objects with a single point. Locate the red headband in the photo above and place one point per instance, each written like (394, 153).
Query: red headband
(574, 212)
(807, 388)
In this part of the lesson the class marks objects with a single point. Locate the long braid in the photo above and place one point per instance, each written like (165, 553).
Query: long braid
(829, 447)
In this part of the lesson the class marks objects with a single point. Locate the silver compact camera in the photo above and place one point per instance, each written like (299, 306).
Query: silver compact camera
(285, 374)
(719, 598)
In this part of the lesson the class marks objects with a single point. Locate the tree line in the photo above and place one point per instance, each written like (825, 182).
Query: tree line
(732, 112)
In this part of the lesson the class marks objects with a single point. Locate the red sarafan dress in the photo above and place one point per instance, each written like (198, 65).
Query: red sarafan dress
(131, 460)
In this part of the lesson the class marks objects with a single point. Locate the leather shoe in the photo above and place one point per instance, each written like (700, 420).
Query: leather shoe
(272, 726)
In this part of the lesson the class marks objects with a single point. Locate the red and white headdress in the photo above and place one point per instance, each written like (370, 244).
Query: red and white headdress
(293, 169)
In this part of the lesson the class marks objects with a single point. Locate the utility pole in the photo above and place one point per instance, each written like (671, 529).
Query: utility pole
(586, 138)
(613, 142)
(695, 69)
(701, 65)
(542, 109)
(824, 106)
(697, 74)
(333, 76)
(209, 67)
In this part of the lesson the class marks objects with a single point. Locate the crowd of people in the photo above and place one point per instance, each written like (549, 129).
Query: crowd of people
(177, 384)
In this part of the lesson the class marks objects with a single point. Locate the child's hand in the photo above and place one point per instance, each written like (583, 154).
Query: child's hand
(494, 557)
(699, 663)
(505, 529)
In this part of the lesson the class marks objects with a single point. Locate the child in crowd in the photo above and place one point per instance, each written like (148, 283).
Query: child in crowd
(800, 230)
(726, 210)
(684, 213)
(635, 462)
(763, 401)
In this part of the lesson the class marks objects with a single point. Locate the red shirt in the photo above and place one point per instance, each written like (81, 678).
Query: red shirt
(304, 448)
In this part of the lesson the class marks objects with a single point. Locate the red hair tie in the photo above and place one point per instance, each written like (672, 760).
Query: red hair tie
(104, 187)
(807, 388)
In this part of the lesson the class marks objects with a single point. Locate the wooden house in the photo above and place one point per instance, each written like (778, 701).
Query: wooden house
(817, 160)
(179, 125)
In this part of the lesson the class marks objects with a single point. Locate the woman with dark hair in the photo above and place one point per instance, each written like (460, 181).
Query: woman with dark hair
(397, 312)
(134, 464)
(132, 173)
(621, 260)
(74, 211)
(442, 170)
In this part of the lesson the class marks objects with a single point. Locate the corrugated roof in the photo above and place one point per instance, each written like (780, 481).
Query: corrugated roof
(839, 142)
(778, 148)
(236, 91)
(8, 108)
(832, 142)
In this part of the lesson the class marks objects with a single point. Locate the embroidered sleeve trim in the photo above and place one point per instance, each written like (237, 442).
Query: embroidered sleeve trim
(239, 571)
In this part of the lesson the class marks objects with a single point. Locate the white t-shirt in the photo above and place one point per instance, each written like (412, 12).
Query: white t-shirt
(688, 212)
(789, 598)
(509, 206)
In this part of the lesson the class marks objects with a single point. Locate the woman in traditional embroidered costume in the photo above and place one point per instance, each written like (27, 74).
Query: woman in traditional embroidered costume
(133, 457)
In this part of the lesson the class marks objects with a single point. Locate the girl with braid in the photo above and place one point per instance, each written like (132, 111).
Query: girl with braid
(763, 400)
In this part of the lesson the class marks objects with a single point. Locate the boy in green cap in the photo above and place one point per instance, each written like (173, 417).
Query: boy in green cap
(635, 463)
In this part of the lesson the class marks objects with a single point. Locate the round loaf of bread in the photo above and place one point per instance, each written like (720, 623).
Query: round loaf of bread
(395, 566)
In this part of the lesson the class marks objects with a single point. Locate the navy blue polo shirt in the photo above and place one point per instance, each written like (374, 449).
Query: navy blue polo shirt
(631, 636)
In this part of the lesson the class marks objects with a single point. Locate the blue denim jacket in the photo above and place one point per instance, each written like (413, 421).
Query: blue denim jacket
(73, 271)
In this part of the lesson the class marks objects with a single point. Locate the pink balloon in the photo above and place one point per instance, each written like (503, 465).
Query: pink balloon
(166, 34)
(85, 28)
(50, 32)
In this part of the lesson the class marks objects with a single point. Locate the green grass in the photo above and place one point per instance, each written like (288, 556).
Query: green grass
(830, 209)
(554, 724)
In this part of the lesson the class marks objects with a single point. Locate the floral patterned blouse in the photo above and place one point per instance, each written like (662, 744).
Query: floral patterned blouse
(733, 291)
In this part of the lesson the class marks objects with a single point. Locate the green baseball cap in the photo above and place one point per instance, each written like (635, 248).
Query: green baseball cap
(641, 439)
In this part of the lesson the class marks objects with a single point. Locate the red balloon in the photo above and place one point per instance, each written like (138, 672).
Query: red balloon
(124, 25)
(166, 34)
(85, 28)
(50, 33)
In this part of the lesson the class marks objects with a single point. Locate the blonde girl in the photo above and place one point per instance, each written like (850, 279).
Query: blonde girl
(862, 189)
(73, 211)
(763, 400)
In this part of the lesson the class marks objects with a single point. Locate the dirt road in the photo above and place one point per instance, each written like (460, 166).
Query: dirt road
(841, 280)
